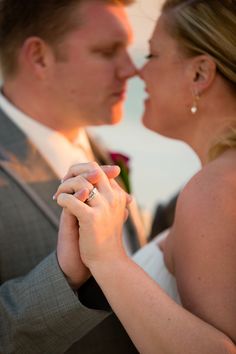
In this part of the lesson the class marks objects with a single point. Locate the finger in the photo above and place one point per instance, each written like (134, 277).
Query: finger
(91, 169)
(103, 183)
(73, 205)
(69, 220)
(129, 198)
(73, 185)
(78, 169)
(94, 175)
(94, 194)
(111, 171)
(92, 198)
(82, 195)
(126, 215)
(86, 196)
(115, 185)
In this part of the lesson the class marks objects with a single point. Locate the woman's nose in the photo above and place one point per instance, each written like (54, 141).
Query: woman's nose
(128, 68)
(141, 71)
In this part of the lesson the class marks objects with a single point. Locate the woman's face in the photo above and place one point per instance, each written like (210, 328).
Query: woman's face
(167, 78)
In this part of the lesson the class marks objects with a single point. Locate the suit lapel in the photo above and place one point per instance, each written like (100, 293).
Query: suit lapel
(22, 162)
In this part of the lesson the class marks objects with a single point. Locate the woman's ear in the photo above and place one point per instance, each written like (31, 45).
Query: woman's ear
(203, 73)
(37, 55)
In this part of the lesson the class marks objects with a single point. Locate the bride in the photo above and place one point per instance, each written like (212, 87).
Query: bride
(190, 77)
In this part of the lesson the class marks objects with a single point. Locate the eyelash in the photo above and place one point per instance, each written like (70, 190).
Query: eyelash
(108, 54)
(149, 56)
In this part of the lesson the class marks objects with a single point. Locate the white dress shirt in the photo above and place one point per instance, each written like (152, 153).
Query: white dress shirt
(56, 149)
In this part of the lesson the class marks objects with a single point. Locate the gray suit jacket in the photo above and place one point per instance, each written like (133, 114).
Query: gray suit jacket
(39, 313)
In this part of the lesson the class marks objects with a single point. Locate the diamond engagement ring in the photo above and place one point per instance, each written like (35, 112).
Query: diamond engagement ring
(92, 194)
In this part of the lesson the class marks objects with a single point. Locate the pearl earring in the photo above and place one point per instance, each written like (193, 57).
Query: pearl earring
(194, 107)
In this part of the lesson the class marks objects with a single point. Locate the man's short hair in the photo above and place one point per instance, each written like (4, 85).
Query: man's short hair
(50, 20)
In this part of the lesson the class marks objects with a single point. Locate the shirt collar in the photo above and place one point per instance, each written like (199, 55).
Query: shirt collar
(59, 152)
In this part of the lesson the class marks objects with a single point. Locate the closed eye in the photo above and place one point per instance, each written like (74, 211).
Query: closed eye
(149, 56)
(108, 53)
(152, 54)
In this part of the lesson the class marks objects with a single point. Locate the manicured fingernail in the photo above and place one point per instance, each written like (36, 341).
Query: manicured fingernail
(54, 197)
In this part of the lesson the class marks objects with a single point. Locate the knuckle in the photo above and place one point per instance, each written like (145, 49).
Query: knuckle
(94, 164)
(80, 179)
(59, 188)
(74, 166)
(112, 200)
(95, 167)
(62, 199)
(67, 185)
(91, 216)
(72, 169)
(83, 182)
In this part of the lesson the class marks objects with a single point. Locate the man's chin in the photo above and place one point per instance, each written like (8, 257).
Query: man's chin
(116, 120)
(110, 121)
(111, 117)
(117, 115)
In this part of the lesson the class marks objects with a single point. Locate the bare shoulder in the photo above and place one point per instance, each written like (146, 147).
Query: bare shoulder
(211, 190)
(204, 244)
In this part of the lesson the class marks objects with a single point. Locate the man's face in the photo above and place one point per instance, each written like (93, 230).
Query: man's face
(90, 84)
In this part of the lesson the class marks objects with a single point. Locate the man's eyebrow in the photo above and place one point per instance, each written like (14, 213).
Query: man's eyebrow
(111, 44)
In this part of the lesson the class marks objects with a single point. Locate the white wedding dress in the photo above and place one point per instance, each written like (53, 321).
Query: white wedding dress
(151, 259)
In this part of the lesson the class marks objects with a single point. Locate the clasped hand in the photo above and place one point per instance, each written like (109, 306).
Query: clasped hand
(90, 232)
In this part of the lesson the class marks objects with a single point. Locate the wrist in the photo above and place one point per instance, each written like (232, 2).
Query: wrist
(76, 284)
(105, 269)
(75, 276)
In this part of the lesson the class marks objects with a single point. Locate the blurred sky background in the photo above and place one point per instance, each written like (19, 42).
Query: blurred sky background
(159, 166)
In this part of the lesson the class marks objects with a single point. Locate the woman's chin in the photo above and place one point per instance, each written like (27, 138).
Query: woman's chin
(147, 121)
(154, 127)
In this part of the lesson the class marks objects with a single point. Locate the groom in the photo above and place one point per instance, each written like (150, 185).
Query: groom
(65, 66)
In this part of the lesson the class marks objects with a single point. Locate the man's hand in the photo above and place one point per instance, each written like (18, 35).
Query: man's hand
(68, 253)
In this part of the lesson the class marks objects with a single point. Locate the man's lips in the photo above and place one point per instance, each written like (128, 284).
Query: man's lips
(119, 95)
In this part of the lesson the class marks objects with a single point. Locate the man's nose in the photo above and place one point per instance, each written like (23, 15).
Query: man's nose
(127, 69)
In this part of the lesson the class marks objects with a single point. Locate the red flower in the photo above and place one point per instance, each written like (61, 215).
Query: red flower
(123, 162)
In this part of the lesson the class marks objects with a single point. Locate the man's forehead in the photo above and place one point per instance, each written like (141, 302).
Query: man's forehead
(105, 19)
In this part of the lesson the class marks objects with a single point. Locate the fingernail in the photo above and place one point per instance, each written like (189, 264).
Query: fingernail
(54, 197)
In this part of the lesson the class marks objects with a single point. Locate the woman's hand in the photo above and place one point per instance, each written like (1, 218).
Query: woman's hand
(101, 219)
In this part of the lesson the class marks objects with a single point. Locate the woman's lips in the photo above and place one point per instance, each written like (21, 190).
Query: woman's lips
(146, 96)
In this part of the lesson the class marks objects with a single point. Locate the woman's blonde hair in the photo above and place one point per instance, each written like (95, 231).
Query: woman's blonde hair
(207, 27)
(225, 142)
